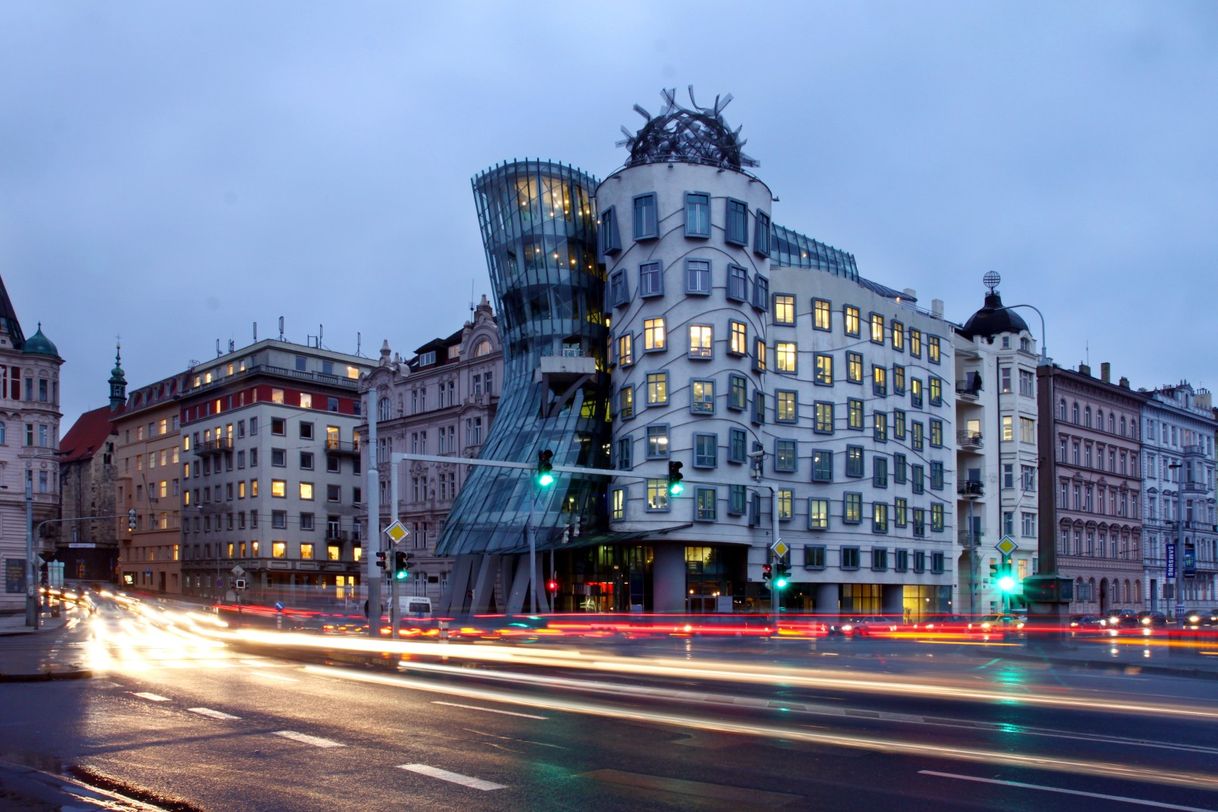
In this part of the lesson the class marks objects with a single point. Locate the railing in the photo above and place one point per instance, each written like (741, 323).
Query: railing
(971, 487)
(342, 447)
(968, 439)
(217, 446)
(282, 372)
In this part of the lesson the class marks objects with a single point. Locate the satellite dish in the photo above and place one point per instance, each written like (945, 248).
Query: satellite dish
(991, 280)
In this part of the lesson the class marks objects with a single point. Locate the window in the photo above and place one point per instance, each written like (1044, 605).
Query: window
(879, 471)
(879, 381)
(877, 328)
(1028, 524)
(759, 352)
(818, 517)
(919, 522)
(785, 354)
(900, 560)
(824, 369)
(935, 385)
(854, 414)
(702, 397)
(785, 456)
(279, 519)
(306, 460)
(704, 504)
(697, 214)
(879, 524)
(936, 433)
(919, 561)
(822, 314)
(936, 475)
(279, 488)
(706, 450)
(701, 341)
(608, 237)
(697, 276)
(898, 379)
(306, 491)
(738, 338)
(1027, 430)
(737, 392)
(618, 504)
(915, 392)
(737, 498)
(306, 431)
(625, 350)
(657, 495)
(898, 336)
(334, 493)
(1008, 429)
(900, 512)
(822, 465)
(761, 234)
(655, 336)
(1027, 385)
(625, 402)
(786, 406)
(758, 407)
(854, 461)
(737, 441)
(854, 367)
(915, 343)
(936, 562)
(651, 279)
(784, 309)
(824, 417)
(279, 458)
(624, 456)
(619, 288)
(879, 426)
(657, 388)
(646, 224)
(932, 349)
(850, 315)
(850, 558)
(657, 442)
(786, 502)
(278, 426)
(737, 220)
(761, 292)
(1027, 477)
(737, 283)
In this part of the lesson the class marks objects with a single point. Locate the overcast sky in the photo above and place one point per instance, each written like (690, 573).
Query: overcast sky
(175, 172)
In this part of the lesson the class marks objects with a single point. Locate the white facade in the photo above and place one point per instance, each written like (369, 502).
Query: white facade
(719, 353)
(996, 461)
(1178, 427)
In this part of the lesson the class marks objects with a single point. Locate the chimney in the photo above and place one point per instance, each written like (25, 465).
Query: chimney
(936, 308)
(1106, 372)
(1124, 383)
(1083, 369)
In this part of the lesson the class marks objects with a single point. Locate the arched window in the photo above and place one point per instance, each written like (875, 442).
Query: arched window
(1061, 409)
(1099, 418)
(1111, 423)
(1122, 425)
(1087, 417)
(383, 406)
(1074, 412)
(483, 347)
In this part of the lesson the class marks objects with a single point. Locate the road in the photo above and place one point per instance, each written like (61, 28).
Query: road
(184, 718)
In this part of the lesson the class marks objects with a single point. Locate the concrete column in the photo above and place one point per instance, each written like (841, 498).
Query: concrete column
(826, 599)
(668, 578)
(892, 599)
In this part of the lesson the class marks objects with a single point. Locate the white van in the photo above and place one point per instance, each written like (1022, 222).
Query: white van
(414, 606)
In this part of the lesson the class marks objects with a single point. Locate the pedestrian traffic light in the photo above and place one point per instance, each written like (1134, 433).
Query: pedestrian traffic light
(675, 488)
(766, 571)
(131, 519)
(380, 559)
(545, 468)
(402, 561)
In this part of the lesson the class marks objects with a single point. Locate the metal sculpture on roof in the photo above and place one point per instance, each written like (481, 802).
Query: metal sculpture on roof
(691, 134)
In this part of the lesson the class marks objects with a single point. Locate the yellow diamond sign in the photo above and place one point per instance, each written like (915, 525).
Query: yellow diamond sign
(1006, 546)
(396, 532)
(780, 548)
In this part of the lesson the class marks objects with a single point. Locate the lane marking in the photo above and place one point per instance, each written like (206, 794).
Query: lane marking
(455, 778)
(152, 697)
(305, 738)
(214, 714)
(512, 738)
(1064, 791)
(488, 710)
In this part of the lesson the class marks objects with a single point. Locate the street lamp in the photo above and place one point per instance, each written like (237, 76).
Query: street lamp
(31, 572)
(1176, 568)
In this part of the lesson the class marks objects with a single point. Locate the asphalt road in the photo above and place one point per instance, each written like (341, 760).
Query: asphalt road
(668, 724)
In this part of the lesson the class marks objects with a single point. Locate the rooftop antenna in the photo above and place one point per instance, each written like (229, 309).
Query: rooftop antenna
(320, 331)
(281, 328)
(358, 341)
(255, 332)
(1087, 350)
(232, 345)
(217, 348)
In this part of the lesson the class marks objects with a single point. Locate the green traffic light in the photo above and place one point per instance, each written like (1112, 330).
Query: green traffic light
(402, 575)
(545, 479)
(676, 489)
(780, 582)
(1007, 583)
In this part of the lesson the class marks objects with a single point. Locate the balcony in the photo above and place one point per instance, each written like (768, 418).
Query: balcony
(970, 388)
(971, 489)
(342, 448)
(1194, 487)
(968, 440)
(208, 448)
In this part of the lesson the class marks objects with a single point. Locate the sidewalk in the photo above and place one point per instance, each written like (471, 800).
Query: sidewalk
(28, 655)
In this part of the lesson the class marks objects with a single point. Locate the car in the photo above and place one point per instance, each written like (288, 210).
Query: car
(1120, 619)
(997, 623)
(1196, 618)
(1084, 622)
(1149, 619)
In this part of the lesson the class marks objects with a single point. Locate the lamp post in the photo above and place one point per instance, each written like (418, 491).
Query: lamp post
(1177, 568)
(31, 572)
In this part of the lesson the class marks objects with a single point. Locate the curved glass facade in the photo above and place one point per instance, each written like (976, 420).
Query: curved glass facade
(538, 222)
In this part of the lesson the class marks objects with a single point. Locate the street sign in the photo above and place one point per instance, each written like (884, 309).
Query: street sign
(1171, 560)
(780, 548)
(239, 584)
(396, 532)
(1006, 545)
(238, 571)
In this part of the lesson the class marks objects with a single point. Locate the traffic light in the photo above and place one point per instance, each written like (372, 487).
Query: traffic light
(782, 577)
(675, 488)
(380, 559)
(993, 570)
(131, 519)
(552, 585)
(545, 468)
(402, 562)
(1007, 583)
(766, 571)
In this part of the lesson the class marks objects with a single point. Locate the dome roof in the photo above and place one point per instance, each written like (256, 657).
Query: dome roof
(38, 344)
(993, 319)
(694, 134)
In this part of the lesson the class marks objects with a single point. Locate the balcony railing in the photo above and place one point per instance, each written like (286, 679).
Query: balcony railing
(342, 447)
(217, 446)
(971, 487)
(968, 440)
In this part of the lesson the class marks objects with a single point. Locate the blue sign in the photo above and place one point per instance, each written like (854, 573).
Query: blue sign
(278, 606)
(1171, 560)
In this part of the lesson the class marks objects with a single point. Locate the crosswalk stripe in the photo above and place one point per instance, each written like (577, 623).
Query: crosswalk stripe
(455, 778)
(305, 738)
(214, 714)
(152, 697)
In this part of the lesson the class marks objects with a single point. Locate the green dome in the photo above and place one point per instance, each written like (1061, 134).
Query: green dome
(38, 344)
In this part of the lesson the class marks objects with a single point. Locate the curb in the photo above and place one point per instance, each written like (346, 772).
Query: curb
(48, 676)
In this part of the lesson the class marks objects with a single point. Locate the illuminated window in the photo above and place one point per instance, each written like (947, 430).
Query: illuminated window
(822, 314)
(657, 388)
(254, 487)
(701, 337)
(619, 503)
(915, 343)
(824, 369)
(785, 355)
(879, 381)
(784, 309)
(306, 401)
(850, 314)
(277, 396)
(306, 551)
(898, 336)
(625, 408)
(625, 350)
(702, 397)
(854, 414)
(738, 342)
(786, 406)
(657, 494)
(241, 489)
(785, 499)
(852, 509)
(759, 353)
(306, 491)
(654, 335)
(824, 417)
(279, 488)
(932, 349)
(279, 549)
(657, 442)
(877, 328)
(818, 516)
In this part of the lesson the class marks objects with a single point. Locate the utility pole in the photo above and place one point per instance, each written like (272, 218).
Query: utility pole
(373, 535)
(31, 571)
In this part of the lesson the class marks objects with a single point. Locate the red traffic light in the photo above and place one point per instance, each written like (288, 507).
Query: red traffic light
(766, 570)
(552, 585)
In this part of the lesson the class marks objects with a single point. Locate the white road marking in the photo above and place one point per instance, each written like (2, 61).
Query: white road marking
(152, 697)
(1064, 791)
(455, 778)
(214, 714)
(316, 741)
(488, 710)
